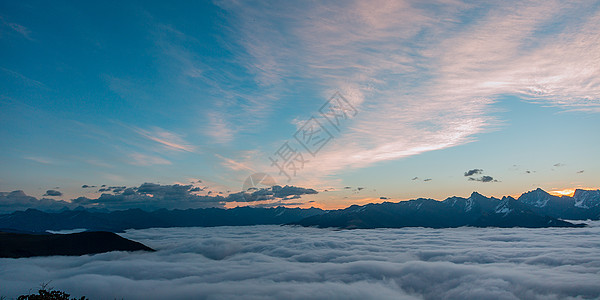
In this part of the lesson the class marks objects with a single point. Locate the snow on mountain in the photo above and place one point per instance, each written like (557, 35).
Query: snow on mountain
(586, 198)
(537, 198)
(503, 207)
(469, 204)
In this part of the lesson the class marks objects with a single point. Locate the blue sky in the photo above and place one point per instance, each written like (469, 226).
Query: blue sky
(122, 93)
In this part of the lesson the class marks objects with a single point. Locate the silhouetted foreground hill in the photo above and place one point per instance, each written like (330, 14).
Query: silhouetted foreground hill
(15, 245)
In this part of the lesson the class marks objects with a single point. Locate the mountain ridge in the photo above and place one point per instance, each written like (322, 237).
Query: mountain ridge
(476, 210)
(535, 208)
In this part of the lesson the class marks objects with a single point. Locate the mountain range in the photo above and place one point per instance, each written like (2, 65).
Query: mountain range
(532, 209)
(32, 220)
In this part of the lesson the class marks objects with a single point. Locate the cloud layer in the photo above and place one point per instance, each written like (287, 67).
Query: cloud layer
(275, 262)
(18, 200)
(153, 196)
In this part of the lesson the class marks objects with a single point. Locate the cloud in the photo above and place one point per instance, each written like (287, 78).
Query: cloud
(402, 64)
(158, 190)
(282, 192)
(18, 200)
(140, 159)
(580, 171)
(233, 164)
(85, 186)
(281, 262)
(427, 179)
(559, 165)
(167, 139)
(53, 193)
(219, 129)
(484, 178)
(152, 196)
(41, 160)
(473, 172)
(114, 189)
(270, 193)
(233, 104)
(22, 30)
(415, 178)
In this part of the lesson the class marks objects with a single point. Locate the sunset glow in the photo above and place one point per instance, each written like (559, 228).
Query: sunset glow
(565, 192)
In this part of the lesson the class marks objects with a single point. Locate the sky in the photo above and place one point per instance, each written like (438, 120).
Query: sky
(364, 101)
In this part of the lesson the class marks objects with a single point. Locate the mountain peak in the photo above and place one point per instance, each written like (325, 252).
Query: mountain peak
(586, 198)
(538, 191)
(584, 191)
(476, 194)
(537, 198)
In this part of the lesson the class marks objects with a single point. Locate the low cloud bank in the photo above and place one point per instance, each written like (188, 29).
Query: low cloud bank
(151, 196)
(18, 200)
(275, 262)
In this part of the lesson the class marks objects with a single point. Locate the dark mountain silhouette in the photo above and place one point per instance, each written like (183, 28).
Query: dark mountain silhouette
(37, 221)
(477, 210)
(15, 245)
(585, 204)
(533, 209)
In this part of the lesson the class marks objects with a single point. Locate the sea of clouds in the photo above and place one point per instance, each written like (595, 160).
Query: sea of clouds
(283, 262)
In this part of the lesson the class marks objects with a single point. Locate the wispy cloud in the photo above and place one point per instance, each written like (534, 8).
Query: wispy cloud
(219, 128)
(167, 139)
(98, 163)
(403, 66)
(528, 49)
(140, 159)
(216, 82)
(23, 78)
(40, 159)
(22, 30)
(233, 164)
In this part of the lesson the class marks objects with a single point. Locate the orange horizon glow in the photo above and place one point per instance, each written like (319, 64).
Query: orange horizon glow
(570, 191)
(323, 204)
(564, 192)
(334, 203)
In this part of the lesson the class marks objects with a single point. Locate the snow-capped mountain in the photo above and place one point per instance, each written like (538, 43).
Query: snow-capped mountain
(537, 198)
(586, 198)
(532, 209)
(476, 210)
(585, 204)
